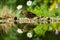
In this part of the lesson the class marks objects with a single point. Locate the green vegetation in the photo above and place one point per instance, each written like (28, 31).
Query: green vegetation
(40, 8)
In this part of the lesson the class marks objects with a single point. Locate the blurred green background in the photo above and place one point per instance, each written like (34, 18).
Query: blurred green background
(48, 8)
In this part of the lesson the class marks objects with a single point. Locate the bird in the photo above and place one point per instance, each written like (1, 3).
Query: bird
(28, 27)
(28, 14)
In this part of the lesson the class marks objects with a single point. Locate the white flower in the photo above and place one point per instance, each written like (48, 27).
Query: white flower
(56, 5)
(29, 35)
(19, 31)
(29, 3)
(56, 32)
(19, 7)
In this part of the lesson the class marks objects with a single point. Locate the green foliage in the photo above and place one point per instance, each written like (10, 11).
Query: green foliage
(42, 11)
(11, 1)
(41, 29)
(11, 35)
(38, 7)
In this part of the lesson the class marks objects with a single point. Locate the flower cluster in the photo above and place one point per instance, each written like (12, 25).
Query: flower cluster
(56, 32)
(29, 3)
(56, 5)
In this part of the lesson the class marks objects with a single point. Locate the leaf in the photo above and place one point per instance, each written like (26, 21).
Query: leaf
(41, 29)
